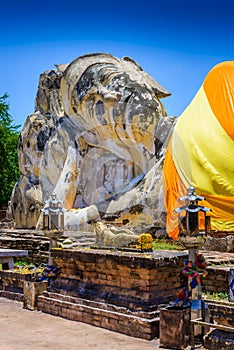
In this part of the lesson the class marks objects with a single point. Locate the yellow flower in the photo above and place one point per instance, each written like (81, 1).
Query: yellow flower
(145, 240)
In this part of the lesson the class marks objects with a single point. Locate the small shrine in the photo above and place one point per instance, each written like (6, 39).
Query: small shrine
(192, 239)
(176, 318)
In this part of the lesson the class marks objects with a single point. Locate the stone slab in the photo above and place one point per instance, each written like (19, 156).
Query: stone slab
(12, 253)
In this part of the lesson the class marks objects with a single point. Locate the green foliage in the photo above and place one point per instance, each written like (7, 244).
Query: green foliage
(21, 262)
(165, 245)
(9, 135)
(223, 295)
(216, 296)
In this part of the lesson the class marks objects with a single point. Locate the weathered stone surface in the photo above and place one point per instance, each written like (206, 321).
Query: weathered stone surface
(97, 139)
(223, 244)
(113, 237)
(31, 292)
(175, 327)
(219, 340)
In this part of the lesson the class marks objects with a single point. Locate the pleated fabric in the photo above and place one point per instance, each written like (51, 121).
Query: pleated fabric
(201, 151)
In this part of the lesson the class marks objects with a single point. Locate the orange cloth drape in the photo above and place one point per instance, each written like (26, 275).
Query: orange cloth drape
(201, 151)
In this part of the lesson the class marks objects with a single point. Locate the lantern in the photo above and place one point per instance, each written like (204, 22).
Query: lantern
(190, 235)
(192, 239)
(53, 221)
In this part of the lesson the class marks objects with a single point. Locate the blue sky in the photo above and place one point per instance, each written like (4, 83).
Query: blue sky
(177, 42)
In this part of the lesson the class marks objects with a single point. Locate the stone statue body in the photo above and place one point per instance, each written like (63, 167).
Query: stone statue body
(113, 237)
(96, 139)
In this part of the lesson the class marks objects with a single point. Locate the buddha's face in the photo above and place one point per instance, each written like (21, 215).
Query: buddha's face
(105, 95)
(115, 104)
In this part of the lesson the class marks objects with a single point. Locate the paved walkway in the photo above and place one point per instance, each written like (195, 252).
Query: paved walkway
(21, 329)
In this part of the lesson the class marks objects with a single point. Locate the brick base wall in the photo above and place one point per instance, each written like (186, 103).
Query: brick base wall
(217, 279)
(118, 319)
(120, 291)
(34, 242)
(12, 284)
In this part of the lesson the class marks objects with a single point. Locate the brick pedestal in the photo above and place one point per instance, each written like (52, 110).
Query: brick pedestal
(31, 292)
(175, 327)
(120, 291)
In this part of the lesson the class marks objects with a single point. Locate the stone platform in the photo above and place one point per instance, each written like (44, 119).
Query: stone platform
(7, 257)
(119, 291)
(12, 284)
(219, 340)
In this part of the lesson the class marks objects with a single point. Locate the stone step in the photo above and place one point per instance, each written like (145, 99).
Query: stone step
(97, 315)
(62, 296)
(218, 339)
(79, 236)
(12, 295)
(80, 239)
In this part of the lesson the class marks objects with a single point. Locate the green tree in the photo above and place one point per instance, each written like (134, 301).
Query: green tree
(9, 170)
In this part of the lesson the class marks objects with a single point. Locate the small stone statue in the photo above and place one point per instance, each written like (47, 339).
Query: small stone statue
(113, 237)
(8, 222)
(9, 213)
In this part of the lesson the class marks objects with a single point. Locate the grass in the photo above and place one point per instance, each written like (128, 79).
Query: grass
(21, 262)
(160, 244)
(216, 296)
